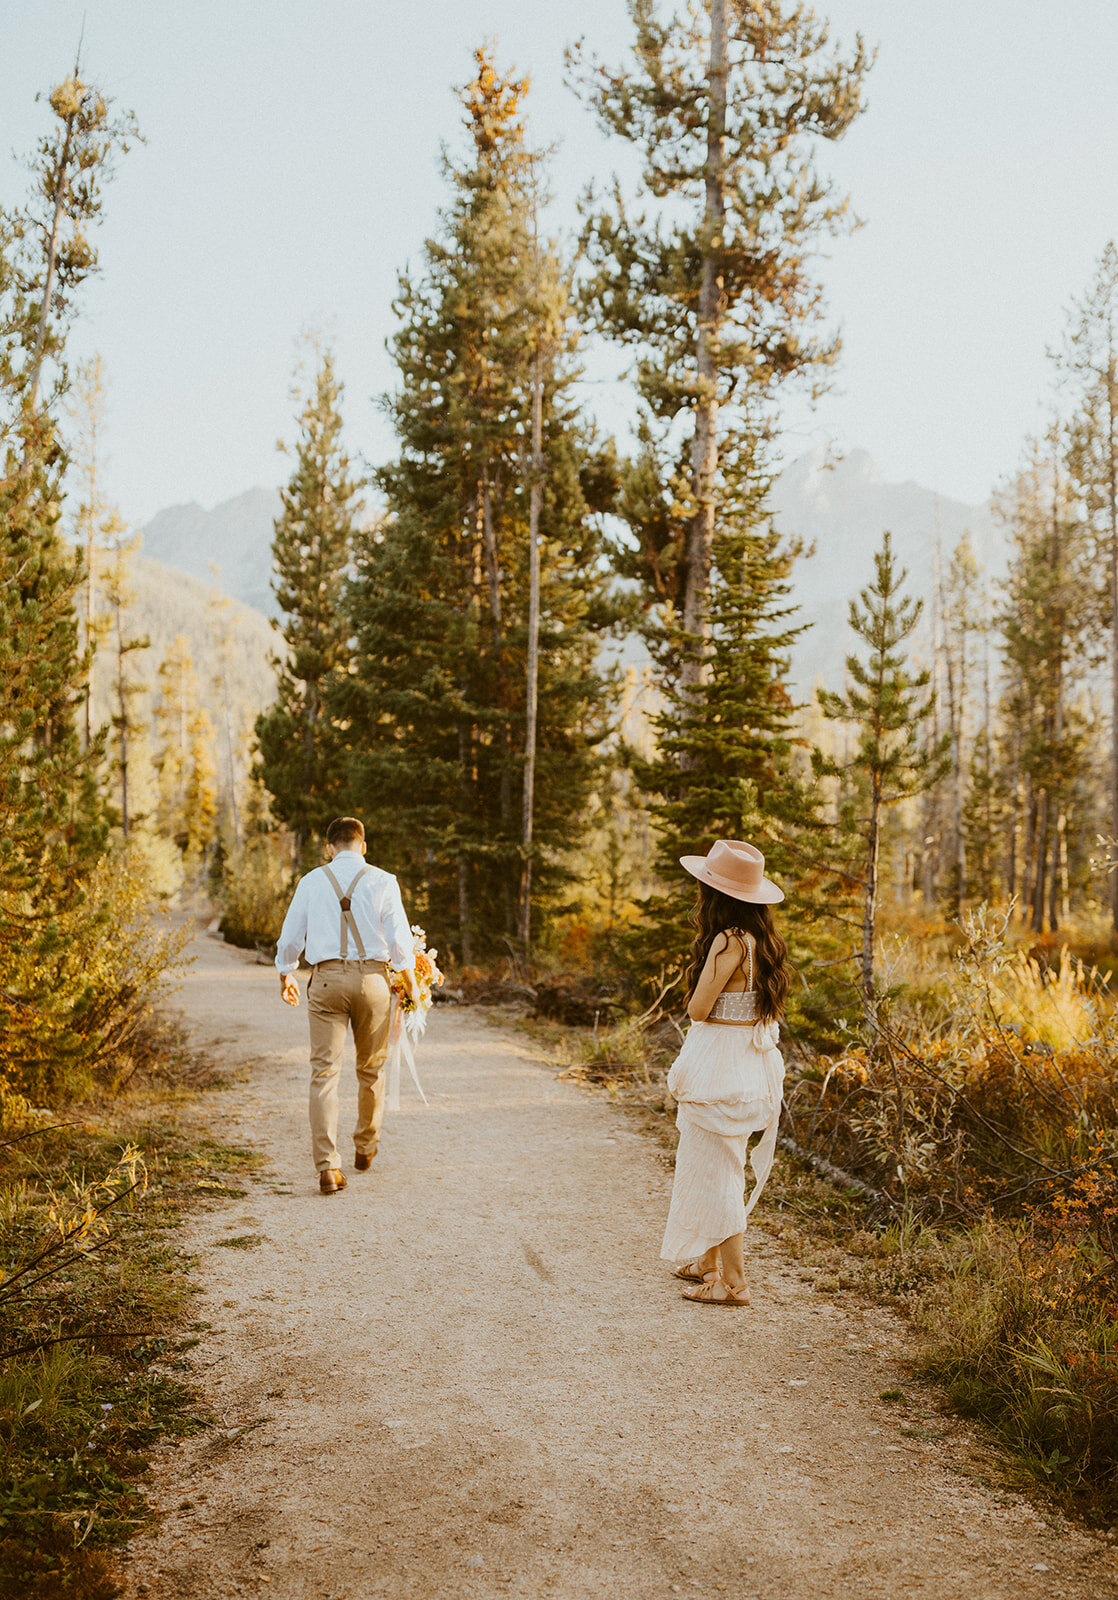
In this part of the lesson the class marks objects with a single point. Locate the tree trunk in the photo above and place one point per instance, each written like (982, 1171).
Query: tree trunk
(184, 820)
(1112, 508)
(532, 694)
(492, 565)
(869, 910)
(942, 647)
(1028, 880)
(90, 599)
(704, 445)
(1041, 864)
(1058, 876)
(1059, 833)
(493, 574)
(464, 915)
(227, 717)
(928, 851)
(955, 723)
(463, 878)
(1014, 821)
(61, 183)
(122, 703)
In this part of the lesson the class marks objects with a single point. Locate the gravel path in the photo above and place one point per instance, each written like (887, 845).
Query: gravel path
(468, 1375)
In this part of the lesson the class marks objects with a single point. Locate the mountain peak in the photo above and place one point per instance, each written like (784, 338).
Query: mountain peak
(858, 466)
(234, 537)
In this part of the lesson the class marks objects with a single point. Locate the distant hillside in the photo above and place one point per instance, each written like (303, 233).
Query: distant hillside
(841, 506)
(169, 602)
(235, 537)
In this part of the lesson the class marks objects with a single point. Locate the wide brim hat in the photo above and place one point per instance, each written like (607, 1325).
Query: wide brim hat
(737, 869)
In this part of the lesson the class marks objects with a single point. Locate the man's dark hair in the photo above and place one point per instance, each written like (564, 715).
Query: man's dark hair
(345, 830)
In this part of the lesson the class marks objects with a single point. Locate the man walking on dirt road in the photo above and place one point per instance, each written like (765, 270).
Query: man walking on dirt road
(349, 919)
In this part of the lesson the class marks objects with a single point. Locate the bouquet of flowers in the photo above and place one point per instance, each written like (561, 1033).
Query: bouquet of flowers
(409, 1020)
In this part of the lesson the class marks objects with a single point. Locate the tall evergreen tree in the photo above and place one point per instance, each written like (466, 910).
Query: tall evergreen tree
(1089, 361)
(52, 830)
(71, 165)
(96, 523)
(724, 765)
(434, 707)
(985, 820)
(123, 649)
(711, 287)
(887, 702)
(311, 549)
(962, 621)
(1045, 594)
(48, 814)
(186, 766)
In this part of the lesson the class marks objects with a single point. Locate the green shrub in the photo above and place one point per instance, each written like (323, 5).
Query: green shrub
(72, 1008)
(1021, 1337)
(254, 894)
(93, 1304)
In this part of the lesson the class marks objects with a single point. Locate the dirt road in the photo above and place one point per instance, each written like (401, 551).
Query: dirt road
(468, 1375)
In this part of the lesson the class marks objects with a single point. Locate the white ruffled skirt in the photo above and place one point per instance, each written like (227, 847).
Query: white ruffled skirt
(729, 1082)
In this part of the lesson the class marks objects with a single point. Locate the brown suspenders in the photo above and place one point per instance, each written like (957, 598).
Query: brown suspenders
(345, 899)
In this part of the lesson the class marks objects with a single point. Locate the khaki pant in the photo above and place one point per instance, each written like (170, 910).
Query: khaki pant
(340, 995)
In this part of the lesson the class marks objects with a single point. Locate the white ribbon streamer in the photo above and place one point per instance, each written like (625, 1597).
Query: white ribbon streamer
(404, 1028)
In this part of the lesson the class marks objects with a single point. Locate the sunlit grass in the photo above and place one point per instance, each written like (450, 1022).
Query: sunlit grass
(94, 1365)
(980, 1099)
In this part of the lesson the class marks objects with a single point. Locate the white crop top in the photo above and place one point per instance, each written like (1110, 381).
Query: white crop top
(739, 1005)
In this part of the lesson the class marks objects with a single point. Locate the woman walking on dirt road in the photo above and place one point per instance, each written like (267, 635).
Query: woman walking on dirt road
(729, 1075)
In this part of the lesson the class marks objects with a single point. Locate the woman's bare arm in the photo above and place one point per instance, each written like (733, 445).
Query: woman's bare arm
(726, 954)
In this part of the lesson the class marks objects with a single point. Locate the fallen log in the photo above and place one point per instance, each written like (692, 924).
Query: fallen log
(574, 1007)
(834, 1175)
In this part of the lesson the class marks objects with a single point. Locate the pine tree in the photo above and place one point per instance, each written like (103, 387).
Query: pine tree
(313, 540)
(49, 822)
(888, 704)
(711, 286)
(186, 766)
(123, 649)
(201, 789)
(1089, 361)
(233, 717)
(724, 765)
(71, 165)
(1049, 578)
(985, 821)
(435, 705)
(52, 829)
(96, 523)
(962, 619)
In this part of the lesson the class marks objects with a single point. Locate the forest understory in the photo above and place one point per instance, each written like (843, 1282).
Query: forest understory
(96, 1324)
(955, 1161)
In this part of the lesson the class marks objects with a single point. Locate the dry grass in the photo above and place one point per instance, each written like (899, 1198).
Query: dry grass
(94, 1332)
(981, 1103)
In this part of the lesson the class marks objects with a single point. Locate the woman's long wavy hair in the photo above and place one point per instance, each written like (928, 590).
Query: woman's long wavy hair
(717, 913)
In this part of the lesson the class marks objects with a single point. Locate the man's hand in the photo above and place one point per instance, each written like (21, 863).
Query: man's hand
(289, 989)
(411, 986)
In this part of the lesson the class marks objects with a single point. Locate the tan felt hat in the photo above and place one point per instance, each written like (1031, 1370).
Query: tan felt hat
(737, 869)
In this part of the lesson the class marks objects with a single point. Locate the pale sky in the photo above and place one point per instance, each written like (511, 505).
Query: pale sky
(292, 166)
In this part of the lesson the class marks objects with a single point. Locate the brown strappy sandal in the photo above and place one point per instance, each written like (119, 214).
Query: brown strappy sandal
(690, 1273)
(704, 1295)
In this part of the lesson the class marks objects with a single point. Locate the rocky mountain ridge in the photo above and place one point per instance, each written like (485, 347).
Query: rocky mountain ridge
(840, 506)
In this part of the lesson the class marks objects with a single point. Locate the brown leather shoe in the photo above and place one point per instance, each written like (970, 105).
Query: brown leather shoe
(363, 1159)
(330, 1181)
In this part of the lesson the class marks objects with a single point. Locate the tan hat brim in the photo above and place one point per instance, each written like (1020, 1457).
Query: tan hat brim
(765, 894)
